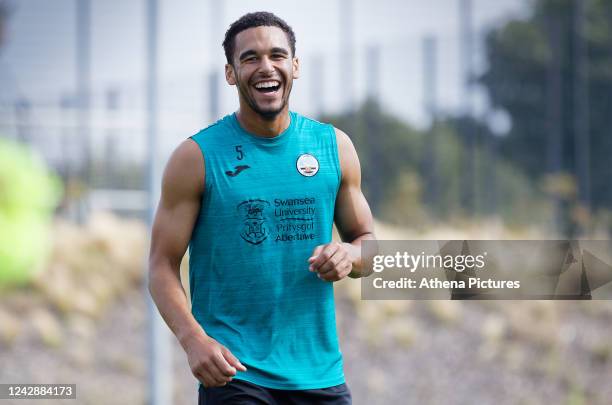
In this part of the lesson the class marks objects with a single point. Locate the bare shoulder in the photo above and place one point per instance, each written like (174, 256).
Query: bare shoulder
(349, 161)
(342, 139)
(185, 172)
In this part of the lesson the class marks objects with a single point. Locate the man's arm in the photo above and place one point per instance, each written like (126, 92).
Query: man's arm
(353, 218)
(182, 188)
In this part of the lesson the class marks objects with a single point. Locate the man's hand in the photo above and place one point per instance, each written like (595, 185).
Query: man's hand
(333, 261)
(211, 363)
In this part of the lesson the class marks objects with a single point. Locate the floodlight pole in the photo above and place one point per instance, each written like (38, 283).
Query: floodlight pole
(346, 53)
(160, 360)
(212, 83)
(83, 84)
(467, 72)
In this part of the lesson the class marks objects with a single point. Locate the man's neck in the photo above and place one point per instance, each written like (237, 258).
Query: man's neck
(255, 124)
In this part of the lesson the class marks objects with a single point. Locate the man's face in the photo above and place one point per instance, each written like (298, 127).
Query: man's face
(263, 70)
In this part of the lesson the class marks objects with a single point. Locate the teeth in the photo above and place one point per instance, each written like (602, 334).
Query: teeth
(265, 85)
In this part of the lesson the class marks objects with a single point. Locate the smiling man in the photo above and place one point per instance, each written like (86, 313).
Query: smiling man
(254, 197)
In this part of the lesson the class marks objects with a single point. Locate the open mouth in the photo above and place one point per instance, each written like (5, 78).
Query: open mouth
(267, 87)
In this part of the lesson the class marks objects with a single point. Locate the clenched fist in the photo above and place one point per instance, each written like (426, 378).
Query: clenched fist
(210, 362)
(332, 262)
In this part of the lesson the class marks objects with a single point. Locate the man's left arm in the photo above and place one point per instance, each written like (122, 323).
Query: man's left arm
(336, 260)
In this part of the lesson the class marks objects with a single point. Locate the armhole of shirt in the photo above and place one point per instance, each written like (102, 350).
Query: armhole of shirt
(207, 167)
(336, 154)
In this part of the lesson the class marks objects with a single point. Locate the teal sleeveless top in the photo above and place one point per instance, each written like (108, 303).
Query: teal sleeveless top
(268, 202)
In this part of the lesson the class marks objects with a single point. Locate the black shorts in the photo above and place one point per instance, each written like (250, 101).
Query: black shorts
(243, 392)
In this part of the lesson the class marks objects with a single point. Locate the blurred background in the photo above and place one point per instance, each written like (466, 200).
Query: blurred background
(472, 119)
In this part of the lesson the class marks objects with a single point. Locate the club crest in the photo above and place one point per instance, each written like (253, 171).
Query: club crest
(254, 230)
(307, 165)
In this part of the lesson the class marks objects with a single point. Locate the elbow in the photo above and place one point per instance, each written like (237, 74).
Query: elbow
(160, 269)
(359, 236)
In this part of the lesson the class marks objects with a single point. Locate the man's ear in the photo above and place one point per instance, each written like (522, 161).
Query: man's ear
(230, 74)
(296, 68)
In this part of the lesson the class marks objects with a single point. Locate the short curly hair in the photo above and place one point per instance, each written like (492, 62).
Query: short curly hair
(250, 20)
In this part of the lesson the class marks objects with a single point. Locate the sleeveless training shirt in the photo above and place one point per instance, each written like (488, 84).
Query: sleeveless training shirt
(268, 202)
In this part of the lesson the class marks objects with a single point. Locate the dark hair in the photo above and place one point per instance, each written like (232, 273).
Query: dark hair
(250, 20)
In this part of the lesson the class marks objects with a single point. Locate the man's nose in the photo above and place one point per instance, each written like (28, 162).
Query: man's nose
(266, 65)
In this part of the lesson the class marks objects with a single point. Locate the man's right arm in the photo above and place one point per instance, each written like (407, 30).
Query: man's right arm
(182, 188)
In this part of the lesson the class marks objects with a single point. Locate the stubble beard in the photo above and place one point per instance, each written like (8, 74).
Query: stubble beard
(266, 115)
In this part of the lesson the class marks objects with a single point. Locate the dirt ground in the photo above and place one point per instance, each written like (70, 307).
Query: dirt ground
(84, 322)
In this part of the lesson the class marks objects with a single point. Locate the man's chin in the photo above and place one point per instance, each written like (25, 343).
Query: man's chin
(269, 114)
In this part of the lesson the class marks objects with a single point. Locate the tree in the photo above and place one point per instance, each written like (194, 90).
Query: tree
(4, 11)
(396, 175)
(536, 73)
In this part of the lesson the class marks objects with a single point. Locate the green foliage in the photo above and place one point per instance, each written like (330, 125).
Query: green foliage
(385, 145)
(520, 201)
(412, 178)
(444, 191)
(403, 203)
(520, 80)
(28, 195)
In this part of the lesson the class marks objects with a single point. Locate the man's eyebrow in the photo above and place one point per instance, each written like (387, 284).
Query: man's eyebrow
(280, 50)
(251, 52)
(246, 54)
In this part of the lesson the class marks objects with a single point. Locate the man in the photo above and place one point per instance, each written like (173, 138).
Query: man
(254, 196)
